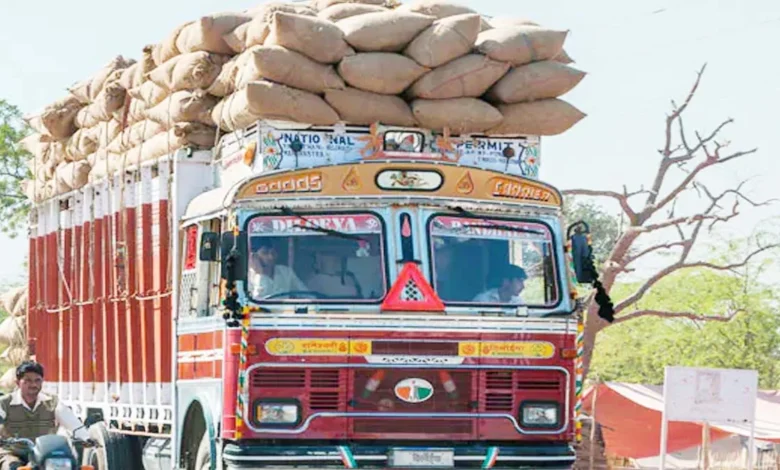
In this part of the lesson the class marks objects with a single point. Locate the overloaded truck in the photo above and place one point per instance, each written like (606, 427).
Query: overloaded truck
(246, 269)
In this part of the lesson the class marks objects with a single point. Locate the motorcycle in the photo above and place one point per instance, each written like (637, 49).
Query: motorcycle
(51, 452)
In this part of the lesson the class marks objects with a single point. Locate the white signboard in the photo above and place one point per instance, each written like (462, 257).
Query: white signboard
(712, 395)
(709, 396)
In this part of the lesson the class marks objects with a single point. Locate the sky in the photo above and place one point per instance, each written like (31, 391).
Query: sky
(638, 54)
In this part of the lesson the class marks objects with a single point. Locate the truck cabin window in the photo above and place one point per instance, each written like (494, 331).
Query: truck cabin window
(319, 258)
(493, 262)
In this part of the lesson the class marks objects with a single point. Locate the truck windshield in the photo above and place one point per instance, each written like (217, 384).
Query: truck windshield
(308, 257)
(492, 261)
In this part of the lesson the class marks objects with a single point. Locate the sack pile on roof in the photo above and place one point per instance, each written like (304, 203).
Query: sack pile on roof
(427, 63)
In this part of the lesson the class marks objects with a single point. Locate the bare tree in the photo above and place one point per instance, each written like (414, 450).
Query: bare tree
(690, 157)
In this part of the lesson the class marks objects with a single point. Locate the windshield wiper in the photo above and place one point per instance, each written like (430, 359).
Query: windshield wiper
(309, 225)
(490, 224)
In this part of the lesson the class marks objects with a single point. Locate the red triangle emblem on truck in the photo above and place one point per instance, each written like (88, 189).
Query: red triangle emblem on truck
(411, 292)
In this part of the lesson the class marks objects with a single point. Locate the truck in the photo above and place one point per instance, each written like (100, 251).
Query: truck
(315, 297)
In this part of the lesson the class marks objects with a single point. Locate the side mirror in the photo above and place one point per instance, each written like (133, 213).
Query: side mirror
(209, 246)
(582, 252)
(234, 256)
(92, 419)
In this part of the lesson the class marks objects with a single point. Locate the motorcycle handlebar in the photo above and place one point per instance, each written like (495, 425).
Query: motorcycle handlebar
(13, 441)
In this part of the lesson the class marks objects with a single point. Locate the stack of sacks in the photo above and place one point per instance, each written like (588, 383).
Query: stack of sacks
(427, 63)
(12, 333)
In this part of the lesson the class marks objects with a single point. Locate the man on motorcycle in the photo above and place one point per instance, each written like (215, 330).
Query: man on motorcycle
(30, 413)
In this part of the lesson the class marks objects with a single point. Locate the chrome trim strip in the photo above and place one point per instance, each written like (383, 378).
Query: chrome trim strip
(305, 425)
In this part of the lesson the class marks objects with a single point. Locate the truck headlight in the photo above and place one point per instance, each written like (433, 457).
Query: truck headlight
(58, 464)
(276, 413)
(539, 414)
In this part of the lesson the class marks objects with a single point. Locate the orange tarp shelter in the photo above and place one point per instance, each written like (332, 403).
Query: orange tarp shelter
(630, 419)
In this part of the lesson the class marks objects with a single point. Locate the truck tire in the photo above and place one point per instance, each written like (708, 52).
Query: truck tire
(106, 456)
(203, 457)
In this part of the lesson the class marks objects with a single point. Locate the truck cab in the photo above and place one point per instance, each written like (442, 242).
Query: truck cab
(376, 298)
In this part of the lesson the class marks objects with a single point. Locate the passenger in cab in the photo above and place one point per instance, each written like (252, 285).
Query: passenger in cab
(331, 276)
(446, 287)
(509, 282)
(266, 277)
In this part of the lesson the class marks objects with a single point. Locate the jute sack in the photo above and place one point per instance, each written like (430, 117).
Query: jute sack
(545, 117)
(507, 22)
(249, 34)
(184, 106)
(87, 90)
(520, 45)
(104, 165)
(15, 355)
(563, 57)
(56, 153)
(131, 113)
(20, 307)
(109, 101)
(35, 190)
(8, 380)
(150, 93)
(347, 10)
(134, 135)
(470, 76)
(445, 40)
(265, 12)
(254, 33)
(321, 5)
(459, 115)
(389, 31)
(182, 134)
(81, 144)
(313, 37)
(59, 117)
(37, 144)
(12, 330)
(225, 82)
(196, 70)
(107, 131)
(11, 297)
(168, 49)
(74, 175)
(440, 9)
(380, 72)
(135, 75)
(364, 108)
(266, 100)
(535, 81)
(280, 65)
(206, 34)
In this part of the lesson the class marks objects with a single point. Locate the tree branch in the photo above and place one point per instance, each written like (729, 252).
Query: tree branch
(621, 198)
(669, 314)
(647, 251)
(681, 264)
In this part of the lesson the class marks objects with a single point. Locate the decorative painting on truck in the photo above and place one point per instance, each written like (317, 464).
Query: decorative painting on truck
(292, 149)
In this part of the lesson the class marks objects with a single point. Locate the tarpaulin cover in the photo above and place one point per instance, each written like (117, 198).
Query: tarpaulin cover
(630, 417)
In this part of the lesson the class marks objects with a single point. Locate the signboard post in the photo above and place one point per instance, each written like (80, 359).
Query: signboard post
(726, 396)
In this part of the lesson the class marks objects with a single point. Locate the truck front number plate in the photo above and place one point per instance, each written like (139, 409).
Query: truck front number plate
(431, 458)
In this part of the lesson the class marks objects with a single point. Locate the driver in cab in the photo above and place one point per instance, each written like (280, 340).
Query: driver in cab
(29, 413)
(266, 278)
(509, 282)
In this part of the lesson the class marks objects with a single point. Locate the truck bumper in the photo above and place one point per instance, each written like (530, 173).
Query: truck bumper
(248, 455)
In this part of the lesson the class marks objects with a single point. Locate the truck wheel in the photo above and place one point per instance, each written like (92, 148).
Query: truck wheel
(106, 455)
(203, 457)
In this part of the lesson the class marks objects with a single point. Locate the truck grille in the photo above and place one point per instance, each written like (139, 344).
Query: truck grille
(504, 389)
(317, 389)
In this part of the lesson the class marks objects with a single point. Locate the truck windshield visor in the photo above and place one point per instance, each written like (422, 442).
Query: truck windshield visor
(316, 258)
(493, 262)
